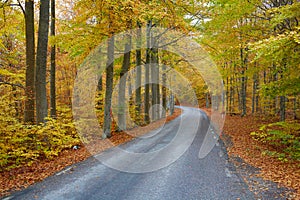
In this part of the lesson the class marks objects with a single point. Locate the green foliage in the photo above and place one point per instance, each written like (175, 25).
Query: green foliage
(288, 86)
(283, 138)
(22, 144)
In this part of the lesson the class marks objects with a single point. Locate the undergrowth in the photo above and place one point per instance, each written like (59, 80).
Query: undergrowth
(23, 144)
(281, 138)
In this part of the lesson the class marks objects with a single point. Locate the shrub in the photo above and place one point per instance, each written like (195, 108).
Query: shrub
(283, 139)
(23, 144)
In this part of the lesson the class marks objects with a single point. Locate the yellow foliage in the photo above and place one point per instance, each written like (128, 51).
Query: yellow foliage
(22, 144)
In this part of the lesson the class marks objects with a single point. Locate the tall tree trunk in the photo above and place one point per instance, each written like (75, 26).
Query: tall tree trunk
(41, 62)
(30, 62)
(254, 89)
(164, 90)
(243, 83)
(154, 78)
(275, 101)
(295, 107)
(257, 94)
(243, 94)
(109, 88)
(129, 79)
(207, 99)
(231, 98)
(53, 65)
(172, 104)
(147, 74)
(227, 94)
(265, 81)
(157, 81)
(282, 108)
(282, 105)
(239, 92)
(122, 85)
(138, 81)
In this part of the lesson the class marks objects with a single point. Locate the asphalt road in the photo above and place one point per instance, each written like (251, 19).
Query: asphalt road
(189, 177)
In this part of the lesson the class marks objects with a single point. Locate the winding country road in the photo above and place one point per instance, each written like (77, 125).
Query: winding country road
(189, 177)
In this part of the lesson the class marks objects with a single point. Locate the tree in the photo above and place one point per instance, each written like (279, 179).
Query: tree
(109, 87)
(147, 74)
(122, 83)
(138, 96)
(41, 62)
(154, 63)
(53, 64)
(109, 77)
(30, 62)
(255, 39)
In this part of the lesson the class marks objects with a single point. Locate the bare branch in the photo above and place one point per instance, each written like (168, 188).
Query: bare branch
(22, 8)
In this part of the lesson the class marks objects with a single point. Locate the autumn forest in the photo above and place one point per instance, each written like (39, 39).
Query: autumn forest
(255, 45)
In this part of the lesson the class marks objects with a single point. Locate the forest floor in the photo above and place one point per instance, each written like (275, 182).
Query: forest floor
(22, 177)
(241, 146)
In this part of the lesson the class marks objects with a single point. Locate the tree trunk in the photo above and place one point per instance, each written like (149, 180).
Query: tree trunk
(207, 99)
(264, 104)
(138, 98)
(122, 85)
(231, 98)
(154, 78)
(227, 94)
(164, 90)
(129, 79)
(257, 94)
(243, 95)
(254, 89)
(41, 62)
(172, 104)
(147, 74)
(282, 108)
(157, 81)
(109, 88)
(30, 62)
(53, 65)
(275, 101)
(295, 107)
(243, 84)
(282, 105)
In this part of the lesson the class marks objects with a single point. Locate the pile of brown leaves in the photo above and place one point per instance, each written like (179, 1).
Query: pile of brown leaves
(238, 128)
(20, 178)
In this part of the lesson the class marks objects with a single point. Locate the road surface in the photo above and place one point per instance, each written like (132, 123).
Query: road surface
(189, 177)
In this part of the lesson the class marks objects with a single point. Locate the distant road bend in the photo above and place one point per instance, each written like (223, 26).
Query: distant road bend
(188, 178)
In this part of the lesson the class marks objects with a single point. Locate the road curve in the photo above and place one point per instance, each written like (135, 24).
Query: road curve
(189, 177)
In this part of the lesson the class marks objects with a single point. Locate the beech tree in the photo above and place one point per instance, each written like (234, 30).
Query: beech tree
(147, 73)
(30, 61)
(109, 88)
(138, 97)
(41, 62)
(122, 84)
(253, 44)
(53, 64)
